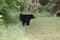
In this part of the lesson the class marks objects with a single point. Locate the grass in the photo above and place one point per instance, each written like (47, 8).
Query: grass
(47, 28)
(42, 14)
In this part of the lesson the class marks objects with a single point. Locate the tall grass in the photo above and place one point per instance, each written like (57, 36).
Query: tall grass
(42, 14)
(13, 32)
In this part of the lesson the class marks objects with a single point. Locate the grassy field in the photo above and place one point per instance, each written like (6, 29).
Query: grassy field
(39, 29)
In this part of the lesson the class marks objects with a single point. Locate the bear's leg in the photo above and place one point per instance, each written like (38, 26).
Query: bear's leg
(23, 23)
(28, 23)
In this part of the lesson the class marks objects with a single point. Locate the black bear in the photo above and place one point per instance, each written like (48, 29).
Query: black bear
(25, 18)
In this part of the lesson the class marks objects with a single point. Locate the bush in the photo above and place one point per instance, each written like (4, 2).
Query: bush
(42, 14)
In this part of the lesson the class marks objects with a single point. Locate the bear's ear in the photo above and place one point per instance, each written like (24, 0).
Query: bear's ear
(21, 14)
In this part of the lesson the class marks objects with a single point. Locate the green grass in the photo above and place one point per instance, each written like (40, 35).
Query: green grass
(47, 28)
(42, 14)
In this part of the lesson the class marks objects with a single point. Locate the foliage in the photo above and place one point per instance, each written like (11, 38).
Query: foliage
(10, 9)
(1, 16)
(43, 2)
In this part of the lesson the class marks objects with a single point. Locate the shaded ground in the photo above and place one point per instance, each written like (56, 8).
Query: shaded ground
(39, 29)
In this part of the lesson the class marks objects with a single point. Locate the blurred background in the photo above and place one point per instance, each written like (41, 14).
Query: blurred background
(47, 14)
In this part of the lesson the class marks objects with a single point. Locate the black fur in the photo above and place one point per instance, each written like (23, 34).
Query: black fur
(25, 18)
